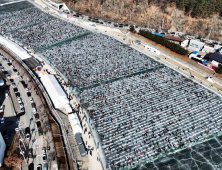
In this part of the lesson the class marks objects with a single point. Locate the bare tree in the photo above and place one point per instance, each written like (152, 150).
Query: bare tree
(12, 160)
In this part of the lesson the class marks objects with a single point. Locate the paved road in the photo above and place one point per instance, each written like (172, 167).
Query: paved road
(27, 120)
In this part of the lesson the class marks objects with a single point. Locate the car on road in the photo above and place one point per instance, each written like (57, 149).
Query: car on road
(15, 70)
(21, 105)
(22, 109)
(2, 120)
(18, 73)
(2, 68)
(4, 58)
(9, 123)
(31, 99)
(33, 105)
(8, 76)
(11, 80)
(20, 77)
(12, 66)
(45, 167)
(31, 166)
(27, 133)
(9, 64)
(38, 124)
(39, 167)
(19, 99)
(17, 94)
(2, 108)
(44, 158)
(30, 153)
(6, 94)
(28, 94)
(36, 116)
(1, 114)
(43, 150)
(34, 110)
(13, 84)
(15, 89)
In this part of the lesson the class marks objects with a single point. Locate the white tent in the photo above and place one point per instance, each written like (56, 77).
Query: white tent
(15, 48)
(74, 121)
(55, 91)
(2, 149)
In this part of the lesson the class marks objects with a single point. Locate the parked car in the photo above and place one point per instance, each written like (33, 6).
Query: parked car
(17, 94)
(43, 150)
(28, 94)
(27, 133)
(9, 123)
(30, 153)
(19, 100)
(20, 77)
(38, 124)
(8, 76)
(2, 108)
(22, 109)
(15, 89)
(36, 116)
(12, 66)
(11, 80)
(44, 158)
(21, 105)
(39, 167)
(31, 166)
(33, 105)
(31, 99)
(6, 94)
(34, 110)
(45, 167)
(13, 84)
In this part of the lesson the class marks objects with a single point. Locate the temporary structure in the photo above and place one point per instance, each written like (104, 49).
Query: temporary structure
(55, 91)
(74, 121)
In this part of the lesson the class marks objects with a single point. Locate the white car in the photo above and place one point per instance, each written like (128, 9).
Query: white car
(34, 110)
(19, 100)
(21, 105)
(44, 158)
(31, 99)
(2, 120)
(22, 109)
(13, 84)
(2, 108)
(43, 151)
(12, 66)
(27, 136)
(6, 95)
(20, 77)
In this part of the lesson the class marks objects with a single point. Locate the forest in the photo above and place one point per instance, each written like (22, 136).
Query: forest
(194, 8)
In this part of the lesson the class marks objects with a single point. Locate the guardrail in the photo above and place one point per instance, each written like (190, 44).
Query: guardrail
(51, 107)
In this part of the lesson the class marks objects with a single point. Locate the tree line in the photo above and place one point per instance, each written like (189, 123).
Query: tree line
(166, 43)
(195, 8)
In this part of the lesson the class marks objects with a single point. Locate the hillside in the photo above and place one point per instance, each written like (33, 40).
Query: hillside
(201, 18)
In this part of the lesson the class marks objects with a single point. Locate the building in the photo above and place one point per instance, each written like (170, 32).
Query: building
(216, 59)
(195, 45)
(2, 149)
(55, 91)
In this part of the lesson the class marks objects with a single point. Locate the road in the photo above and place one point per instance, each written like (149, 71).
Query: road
(28, 119)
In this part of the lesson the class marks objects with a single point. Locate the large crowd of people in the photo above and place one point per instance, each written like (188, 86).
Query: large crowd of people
(139, 107)
(46, 33)
(151, 113)
(97, 58)
(15, 20)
